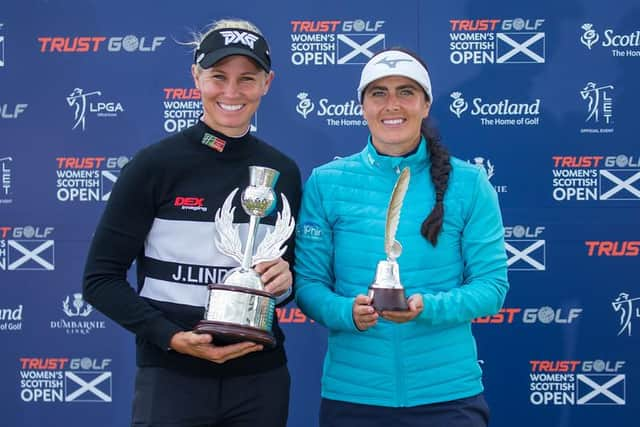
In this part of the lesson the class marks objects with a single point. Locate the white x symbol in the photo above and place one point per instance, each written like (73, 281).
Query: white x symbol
(601, 389)
(27, 255)
(358, 49)
(520, 48)
(524, 255)
(88, 386)
(111, 177)
(626, 184)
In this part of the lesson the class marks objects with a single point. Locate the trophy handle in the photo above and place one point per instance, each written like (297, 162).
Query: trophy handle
(227, 238)
(270, 247)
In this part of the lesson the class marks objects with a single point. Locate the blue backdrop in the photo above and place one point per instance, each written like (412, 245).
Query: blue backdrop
(542, 94)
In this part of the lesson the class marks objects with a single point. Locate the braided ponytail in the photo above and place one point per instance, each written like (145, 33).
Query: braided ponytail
(440, 169)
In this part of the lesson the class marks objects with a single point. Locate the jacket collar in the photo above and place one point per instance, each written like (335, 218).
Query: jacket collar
(416, 161)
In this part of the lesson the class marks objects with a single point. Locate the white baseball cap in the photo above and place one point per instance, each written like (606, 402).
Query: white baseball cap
(394, 63)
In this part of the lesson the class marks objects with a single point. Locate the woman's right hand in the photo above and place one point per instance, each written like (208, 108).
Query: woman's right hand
(364, 315)
(201, 346)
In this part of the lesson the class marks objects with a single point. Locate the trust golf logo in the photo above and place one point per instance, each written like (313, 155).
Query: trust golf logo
(589, 37)
(305, 104)
(458, 105)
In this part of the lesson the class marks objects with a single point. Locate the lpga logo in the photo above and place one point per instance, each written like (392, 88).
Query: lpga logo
(305, 106)
(78, 99)
(590, 37)
(459, 105)
(625, 306)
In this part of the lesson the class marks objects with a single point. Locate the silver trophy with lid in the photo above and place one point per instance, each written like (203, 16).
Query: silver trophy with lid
(386, 291)
(239, 309)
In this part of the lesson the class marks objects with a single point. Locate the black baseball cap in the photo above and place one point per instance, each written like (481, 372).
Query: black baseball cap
(219, 44)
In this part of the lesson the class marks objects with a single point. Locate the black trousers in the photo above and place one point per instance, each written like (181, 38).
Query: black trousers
(468, 412)
(167, 398)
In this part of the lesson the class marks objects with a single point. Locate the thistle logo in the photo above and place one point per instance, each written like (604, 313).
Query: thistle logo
(590, 37)
(233, 37)
(628, 309)
(459, 105)
(76, 322)
(82, 309)
(488, 168)
(305, 106)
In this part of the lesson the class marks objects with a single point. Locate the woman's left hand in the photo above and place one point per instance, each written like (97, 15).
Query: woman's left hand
(275, 275)
(415, 308)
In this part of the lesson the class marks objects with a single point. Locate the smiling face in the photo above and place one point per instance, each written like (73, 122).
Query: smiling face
(394, 108)
(231, 91)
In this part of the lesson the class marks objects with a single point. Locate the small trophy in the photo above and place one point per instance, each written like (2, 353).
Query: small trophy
(240, 309)
(386, 291)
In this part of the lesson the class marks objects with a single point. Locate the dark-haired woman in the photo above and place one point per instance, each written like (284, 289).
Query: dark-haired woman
(417, 367)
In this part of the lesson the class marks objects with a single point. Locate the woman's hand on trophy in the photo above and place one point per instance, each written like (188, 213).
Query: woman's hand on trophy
(201, 346)
(364, 315)
(275, 275)
(416, 305)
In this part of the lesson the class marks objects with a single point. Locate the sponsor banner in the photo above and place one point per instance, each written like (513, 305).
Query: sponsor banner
(87, 44)
(11, 318)
(182, 108)
(292, 315)
(496, 112)
(27, 248)
(89, 103)
(596, 178)
(12, 111)
(79, 317)
(46, 380)
(628, 307)
(343, 113)
(526, 251)
(497, 41)
(610, 248)
(6, 179)
(87, 179)
(598, 99)
(621, 43)
(335, 42)
(2, 41)
(535, 315)
(577, 382)
(490, 170)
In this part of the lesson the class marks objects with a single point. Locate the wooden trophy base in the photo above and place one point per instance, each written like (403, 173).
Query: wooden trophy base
(388, 299)
(228, 333)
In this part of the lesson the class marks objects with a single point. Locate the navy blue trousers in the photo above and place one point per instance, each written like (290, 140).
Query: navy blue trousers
(167, 398)
(468, 412)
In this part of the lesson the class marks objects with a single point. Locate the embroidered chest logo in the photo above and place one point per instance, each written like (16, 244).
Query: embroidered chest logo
(214, 142)
(191, 203)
